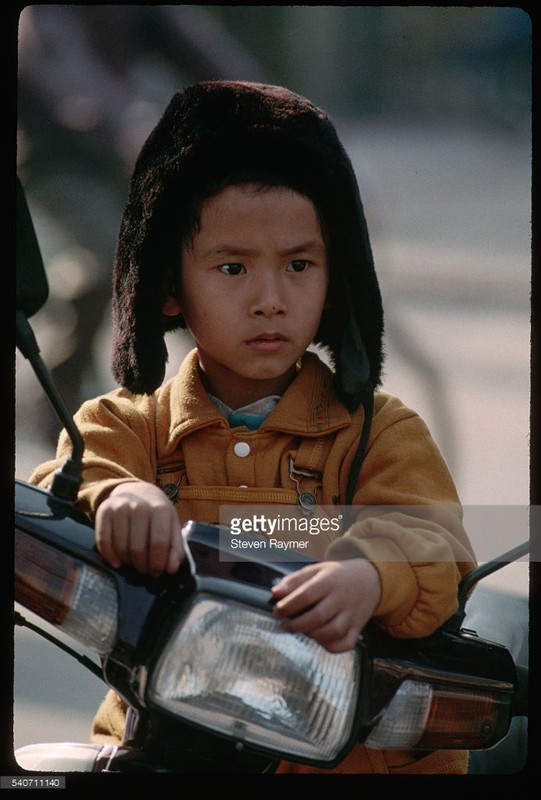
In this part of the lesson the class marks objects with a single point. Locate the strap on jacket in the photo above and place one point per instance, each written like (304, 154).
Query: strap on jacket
(306, 470)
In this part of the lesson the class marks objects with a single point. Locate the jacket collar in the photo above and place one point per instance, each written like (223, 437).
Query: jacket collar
(308, 407)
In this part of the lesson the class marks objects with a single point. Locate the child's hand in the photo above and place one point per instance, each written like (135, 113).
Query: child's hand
(138, 525)
(331, 601)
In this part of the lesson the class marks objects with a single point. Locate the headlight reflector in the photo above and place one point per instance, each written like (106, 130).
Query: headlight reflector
(230, 668)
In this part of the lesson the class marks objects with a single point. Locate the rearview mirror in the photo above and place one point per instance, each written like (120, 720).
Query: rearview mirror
(32, 284)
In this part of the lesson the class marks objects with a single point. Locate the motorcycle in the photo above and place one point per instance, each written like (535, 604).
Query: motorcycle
(212, 683)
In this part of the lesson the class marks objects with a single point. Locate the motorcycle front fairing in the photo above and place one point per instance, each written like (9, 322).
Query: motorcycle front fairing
(200, 651)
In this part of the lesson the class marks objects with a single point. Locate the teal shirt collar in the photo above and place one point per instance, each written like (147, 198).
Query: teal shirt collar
(251, 415)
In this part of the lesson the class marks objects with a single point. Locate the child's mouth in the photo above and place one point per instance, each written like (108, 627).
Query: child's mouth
(267, 342)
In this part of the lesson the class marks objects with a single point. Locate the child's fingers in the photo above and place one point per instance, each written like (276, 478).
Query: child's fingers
(297, 596)
(292, 582)
(176, 553)
(104, 539)
(108, 553)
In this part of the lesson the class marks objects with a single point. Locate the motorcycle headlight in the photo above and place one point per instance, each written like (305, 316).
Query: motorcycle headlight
(230, 668)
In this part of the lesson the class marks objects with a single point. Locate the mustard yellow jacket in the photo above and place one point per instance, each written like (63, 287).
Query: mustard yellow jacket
(177, 438)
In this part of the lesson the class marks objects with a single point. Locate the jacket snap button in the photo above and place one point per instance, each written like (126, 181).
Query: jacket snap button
(241, 449)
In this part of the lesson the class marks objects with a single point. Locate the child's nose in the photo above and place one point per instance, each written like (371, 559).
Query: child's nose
(268, 299)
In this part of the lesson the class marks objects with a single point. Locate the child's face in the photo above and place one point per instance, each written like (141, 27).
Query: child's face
(254, 284)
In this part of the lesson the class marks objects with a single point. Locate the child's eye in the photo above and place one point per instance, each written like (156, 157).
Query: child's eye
(232, 269)
(299, 265)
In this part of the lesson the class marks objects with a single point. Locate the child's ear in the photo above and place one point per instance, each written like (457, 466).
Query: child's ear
(171, 306)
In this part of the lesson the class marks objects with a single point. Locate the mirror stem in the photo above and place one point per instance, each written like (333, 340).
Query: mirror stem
(67, 479)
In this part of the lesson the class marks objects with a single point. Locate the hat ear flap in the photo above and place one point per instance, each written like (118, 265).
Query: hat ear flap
(354, 366)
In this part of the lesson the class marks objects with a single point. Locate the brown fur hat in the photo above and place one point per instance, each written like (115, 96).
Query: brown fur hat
(219, 132)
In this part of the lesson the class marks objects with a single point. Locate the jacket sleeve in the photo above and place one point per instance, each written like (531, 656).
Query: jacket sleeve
(119, 447)
(408, 523)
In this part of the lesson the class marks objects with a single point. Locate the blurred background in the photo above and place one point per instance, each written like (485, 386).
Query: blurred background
(434, 107)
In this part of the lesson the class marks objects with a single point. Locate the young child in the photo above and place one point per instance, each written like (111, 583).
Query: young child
(244, 225)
